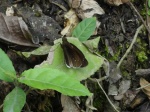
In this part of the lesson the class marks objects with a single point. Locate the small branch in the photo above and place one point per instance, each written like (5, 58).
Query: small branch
(144, 23)
(107, 97)
(1, 106)
(130, 47)
(99, 80)
(143, 86)
(130, 3)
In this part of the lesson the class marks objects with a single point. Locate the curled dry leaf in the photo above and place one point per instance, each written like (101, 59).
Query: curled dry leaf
(14, 30)
(146, 86)
(74, 3)
(115, 73)
(124, 86)
(10, 11)
(71, 21)
(68, 104)
(86, 8)
(89, 104)
(139, 99)
(142, 72)
(112, 90)
(116, 2)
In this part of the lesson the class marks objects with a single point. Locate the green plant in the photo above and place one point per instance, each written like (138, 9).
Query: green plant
(38, 78)
(148, 12)
(85, 29)
(141, 56)
(47, 77)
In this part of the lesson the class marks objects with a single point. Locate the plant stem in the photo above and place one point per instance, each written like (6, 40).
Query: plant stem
(107, 97)
(130, 47)
(144, 23)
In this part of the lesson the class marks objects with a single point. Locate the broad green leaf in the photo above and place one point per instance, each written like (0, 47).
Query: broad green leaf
(49, 78)
(148, 12)
(15, 100)
(7, 71)
(85, 29)
(94, 61)
(149, 3)
(43, 50)
(92, 44)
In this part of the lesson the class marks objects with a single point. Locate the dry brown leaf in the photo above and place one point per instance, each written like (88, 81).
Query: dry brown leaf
(115, 74)
(74, 3)
(71, 21)
(10, 11)
(116, 2)
(141, 72)
(146, 86)
(68, 104)
(14, 30)
(86, 8)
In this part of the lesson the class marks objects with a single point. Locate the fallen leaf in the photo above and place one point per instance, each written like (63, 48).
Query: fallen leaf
(10, 11)
(71, 21)
(44, 29)
(112, 90)
(116, 2)
(14, 30)
(86, 8)
(142, 72)
(42, 50)
(124, 86)
(94, 61)
(92, 44)
(139, 99)
(115, 74)
(68, 104)
(145, 86)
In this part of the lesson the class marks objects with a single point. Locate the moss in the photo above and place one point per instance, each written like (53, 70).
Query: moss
(126, 75)
(117, 54)
(99, 99)
(115, 57)
(141, 56)
(141, 51)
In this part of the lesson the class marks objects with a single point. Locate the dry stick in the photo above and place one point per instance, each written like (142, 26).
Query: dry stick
(148, 20)
(130, 47)
(140, 17)
(143, 86)
(147, 27)
(146, 13)
(107, 97)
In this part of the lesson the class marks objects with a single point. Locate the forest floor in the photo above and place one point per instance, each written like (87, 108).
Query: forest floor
(120, 85)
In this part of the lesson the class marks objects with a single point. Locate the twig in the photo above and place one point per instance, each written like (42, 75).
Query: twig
(130, 47)
(143, 86)
(107, 97)
(146, 26)
(147, 20)
(99, 80)
(1, 106)
(130, 3)
(61, 6)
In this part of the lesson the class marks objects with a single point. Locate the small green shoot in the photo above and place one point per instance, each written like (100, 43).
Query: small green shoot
(37, 78)
(85, 29)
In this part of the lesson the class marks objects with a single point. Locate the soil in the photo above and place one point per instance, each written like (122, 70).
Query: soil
(118, 27)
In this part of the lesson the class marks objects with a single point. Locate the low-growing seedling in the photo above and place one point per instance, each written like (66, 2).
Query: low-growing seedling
(38, 78)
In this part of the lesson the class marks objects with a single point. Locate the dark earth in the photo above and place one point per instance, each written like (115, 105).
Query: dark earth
(117, 29)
